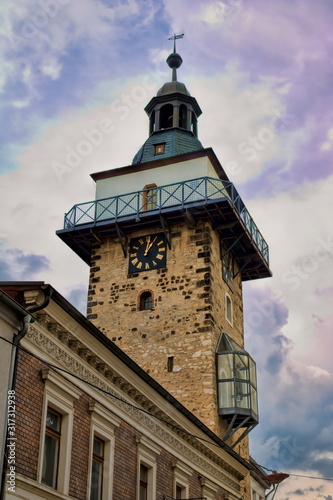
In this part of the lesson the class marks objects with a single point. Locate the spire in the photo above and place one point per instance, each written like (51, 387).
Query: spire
(173, 115)
(174, 60)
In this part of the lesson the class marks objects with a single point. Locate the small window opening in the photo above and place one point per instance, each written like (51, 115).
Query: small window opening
(146, 301)
(228, 309)
(170, 364)
(159, 148)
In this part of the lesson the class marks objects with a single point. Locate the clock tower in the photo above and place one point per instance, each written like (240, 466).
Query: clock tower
(169, 242)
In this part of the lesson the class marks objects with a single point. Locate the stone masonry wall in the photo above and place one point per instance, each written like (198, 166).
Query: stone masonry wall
(187, 318)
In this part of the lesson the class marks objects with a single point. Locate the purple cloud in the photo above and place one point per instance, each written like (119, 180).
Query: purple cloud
(295, 397)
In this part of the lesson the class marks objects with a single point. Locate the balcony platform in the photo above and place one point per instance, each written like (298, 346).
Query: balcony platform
(205, 198)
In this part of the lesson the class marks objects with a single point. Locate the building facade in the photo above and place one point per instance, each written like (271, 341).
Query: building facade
(90, 423)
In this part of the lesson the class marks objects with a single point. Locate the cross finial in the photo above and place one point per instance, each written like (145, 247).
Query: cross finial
(174, 38)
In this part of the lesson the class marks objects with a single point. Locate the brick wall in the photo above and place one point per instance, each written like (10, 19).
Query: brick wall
(125, 460)
(29, 389)
(80, 448)
(29, 404)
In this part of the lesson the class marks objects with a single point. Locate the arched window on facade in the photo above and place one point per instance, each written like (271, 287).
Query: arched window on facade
(146, 301)
(149, 201)
(166, 116)
(183, 116)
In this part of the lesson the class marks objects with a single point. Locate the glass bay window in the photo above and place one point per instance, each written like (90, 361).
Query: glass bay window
(236, 385)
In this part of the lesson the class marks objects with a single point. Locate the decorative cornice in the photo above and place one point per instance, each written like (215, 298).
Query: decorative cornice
(193, 450)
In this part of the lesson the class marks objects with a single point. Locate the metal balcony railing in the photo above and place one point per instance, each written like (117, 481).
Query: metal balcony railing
(180, 195)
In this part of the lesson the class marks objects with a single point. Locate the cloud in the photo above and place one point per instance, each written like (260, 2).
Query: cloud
(276, 359)
(51, 69)
(295, 399)
(328, 144)
(288, 58)
(312, 488)
(15, 265)
(303, 491)
(78, 297)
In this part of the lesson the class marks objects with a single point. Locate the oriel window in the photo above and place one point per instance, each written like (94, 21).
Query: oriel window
(51, 448)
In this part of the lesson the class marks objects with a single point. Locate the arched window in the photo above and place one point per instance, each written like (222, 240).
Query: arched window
(228, 309)
(183, 116)
(152, 123)
(194, 127)
(146, 301)
(149, 201)
(166, 116)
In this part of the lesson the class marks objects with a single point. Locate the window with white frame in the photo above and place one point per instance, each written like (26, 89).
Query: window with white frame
(51, 448)
(257, 491)
(97, 466)
(143, 488)
(180, 492)
(228, 309)
(209, 489)
(181, 476)
(100, 479)
(56, 431)
(146, 469)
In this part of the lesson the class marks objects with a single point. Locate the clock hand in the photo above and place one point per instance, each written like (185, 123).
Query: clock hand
(151, 244)
(148, 246)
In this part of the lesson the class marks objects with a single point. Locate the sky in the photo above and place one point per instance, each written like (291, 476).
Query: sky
(74, 79)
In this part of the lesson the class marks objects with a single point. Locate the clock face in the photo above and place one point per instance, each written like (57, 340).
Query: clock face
(147, 252)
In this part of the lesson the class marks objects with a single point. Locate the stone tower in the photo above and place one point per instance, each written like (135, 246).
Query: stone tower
(169, 242)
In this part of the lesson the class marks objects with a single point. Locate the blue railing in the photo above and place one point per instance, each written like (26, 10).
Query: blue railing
(179, 194)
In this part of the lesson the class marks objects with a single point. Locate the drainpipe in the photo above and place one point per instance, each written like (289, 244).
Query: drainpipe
(27, 320)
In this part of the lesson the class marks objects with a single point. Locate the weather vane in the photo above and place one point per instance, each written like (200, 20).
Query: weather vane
(174, 38)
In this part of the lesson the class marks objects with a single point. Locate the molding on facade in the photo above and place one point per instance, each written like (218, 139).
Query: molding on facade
(101, 375)
(51, 377)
